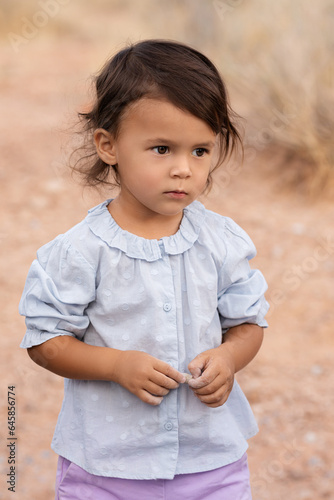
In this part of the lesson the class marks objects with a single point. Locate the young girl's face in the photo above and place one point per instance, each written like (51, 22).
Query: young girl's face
(163, 156)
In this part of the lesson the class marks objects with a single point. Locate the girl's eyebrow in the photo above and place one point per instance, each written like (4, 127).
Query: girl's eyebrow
(163, 141)
(209, 144)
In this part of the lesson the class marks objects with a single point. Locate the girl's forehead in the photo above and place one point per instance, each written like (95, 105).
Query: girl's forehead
(147, 106)
(151, 113)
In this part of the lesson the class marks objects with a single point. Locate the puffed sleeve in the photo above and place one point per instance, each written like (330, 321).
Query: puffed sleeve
(58, 289)
(241, 289)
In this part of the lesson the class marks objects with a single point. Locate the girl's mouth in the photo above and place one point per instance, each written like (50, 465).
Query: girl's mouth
(176, 194)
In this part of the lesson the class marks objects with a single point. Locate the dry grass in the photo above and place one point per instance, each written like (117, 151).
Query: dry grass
(280, 54)
(277, 55)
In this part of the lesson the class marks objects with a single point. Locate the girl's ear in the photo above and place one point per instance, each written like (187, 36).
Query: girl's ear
(105, 146)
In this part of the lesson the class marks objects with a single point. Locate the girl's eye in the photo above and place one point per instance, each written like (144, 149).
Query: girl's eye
(199, 152)
(161, 150)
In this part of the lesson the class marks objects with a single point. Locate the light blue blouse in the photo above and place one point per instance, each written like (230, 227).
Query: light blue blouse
(171, 298)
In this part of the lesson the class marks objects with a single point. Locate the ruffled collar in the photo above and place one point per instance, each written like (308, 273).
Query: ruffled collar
(104, 226)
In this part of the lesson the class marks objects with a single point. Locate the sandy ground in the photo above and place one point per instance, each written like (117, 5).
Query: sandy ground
(289, 384)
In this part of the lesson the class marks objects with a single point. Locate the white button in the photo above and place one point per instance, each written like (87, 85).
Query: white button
(168, 426)
(167, 306)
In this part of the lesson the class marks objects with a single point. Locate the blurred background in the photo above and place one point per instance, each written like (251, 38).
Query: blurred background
(277, 61)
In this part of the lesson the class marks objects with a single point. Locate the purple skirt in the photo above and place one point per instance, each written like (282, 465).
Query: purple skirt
(228, 482)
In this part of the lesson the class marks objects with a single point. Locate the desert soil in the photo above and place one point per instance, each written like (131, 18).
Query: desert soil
(289, 384)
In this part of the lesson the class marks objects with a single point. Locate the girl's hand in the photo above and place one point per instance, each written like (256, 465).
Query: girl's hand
(148, 378)
(213, 376)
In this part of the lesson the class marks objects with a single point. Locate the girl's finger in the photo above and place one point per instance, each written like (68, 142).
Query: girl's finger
(169, 372)
(148, 398)
(217, 398)
(155, 389)
(163, 380)
(217, 385)
(207, 381)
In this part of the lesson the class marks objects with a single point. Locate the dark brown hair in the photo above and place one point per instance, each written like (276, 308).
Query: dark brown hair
(157, 69)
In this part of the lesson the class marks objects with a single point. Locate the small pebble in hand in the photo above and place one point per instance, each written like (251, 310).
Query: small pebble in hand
(188, 377)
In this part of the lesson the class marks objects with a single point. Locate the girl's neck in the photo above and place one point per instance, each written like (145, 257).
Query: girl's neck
(149, 227)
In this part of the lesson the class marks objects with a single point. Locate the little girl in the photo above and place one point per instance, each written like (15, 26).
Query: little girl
(148, 307)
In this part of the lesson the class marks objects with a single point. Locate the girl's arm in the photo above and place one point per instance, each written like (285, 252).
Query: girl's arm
(145, 376)
(213, 370)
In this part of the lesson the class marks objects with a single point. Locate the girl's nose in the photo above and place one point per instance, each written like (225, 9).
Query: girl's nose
(181, 168)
